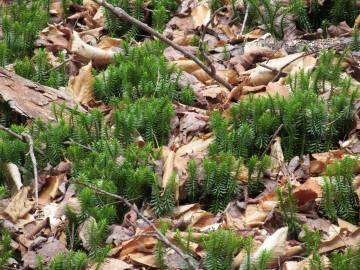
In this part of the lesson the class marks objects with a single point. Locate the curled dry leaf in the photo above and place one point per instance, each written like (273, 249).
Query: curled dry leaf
(275, 244)
(55, 38)
(192, 122)
(307, 192)
(81, 86)
(50, 189)
(19, 205)
(341, 240)
(144, 244)
(90, 53)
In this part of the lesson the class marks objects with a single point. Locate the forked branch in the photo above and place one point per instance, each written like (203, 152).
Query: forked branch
(119, 12)
(190, 261)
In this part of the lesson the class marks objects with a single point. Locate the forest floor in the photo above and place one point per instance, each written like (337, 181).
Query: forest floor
(179, 134)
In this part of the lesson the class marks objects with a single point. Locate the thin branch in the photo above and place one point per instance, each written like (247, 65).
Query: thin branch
(245, 20)
(204, 30)
(119, 12)
(59, 66)
(20, 137)
(30, 141)
(12, 133)
(190, 261)
(282, 73)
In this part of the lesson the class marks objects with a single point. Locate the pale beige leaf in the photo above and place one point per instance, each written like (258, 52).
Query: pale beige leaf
(81, 86)
(201, 14)
(50, 189)
(276, 155)
(186, 65)
(168, 169)
(14, 176)
(141, 258)
(275, 244)
(19, 205)
(261, 75)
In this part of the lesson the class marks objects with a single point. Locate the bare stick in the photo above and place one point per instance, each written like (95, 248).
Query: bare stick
(119, 12)
(20, 137)
(245, 20)
(59, 66)
(34, 163)
(204, 29)
(12, 133)
(282, 73)
(191, 262)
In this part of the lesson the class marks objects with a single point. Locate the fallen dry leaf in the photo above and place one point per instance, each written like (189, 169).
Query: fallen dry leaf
(14, 176)
(201, 14)
(90, 53)
(307, 192)
(143, 259)
(50, 189)
(19, 205)
(81, 86)
(55, 38)
(275, 244)
(168, 169)
(276, 155)
(262, 76)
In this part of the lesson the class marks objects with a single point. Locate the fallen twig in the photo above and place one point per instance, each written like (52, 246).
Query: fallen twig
(282, 73)
(245, 20)
(204, 29)
(119, 12)
(190, 261)
(20, 137)
(60, 65)
(30, 141)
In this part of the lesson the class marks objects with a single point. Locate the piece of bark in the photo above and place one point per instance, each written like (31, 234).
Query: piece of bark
(29, 99)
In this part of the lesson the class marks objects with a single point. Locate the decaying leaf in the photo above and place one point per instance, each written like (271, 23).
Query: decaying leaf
(275, 244)
(50, 189)
(19, 205)
(81, 86)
